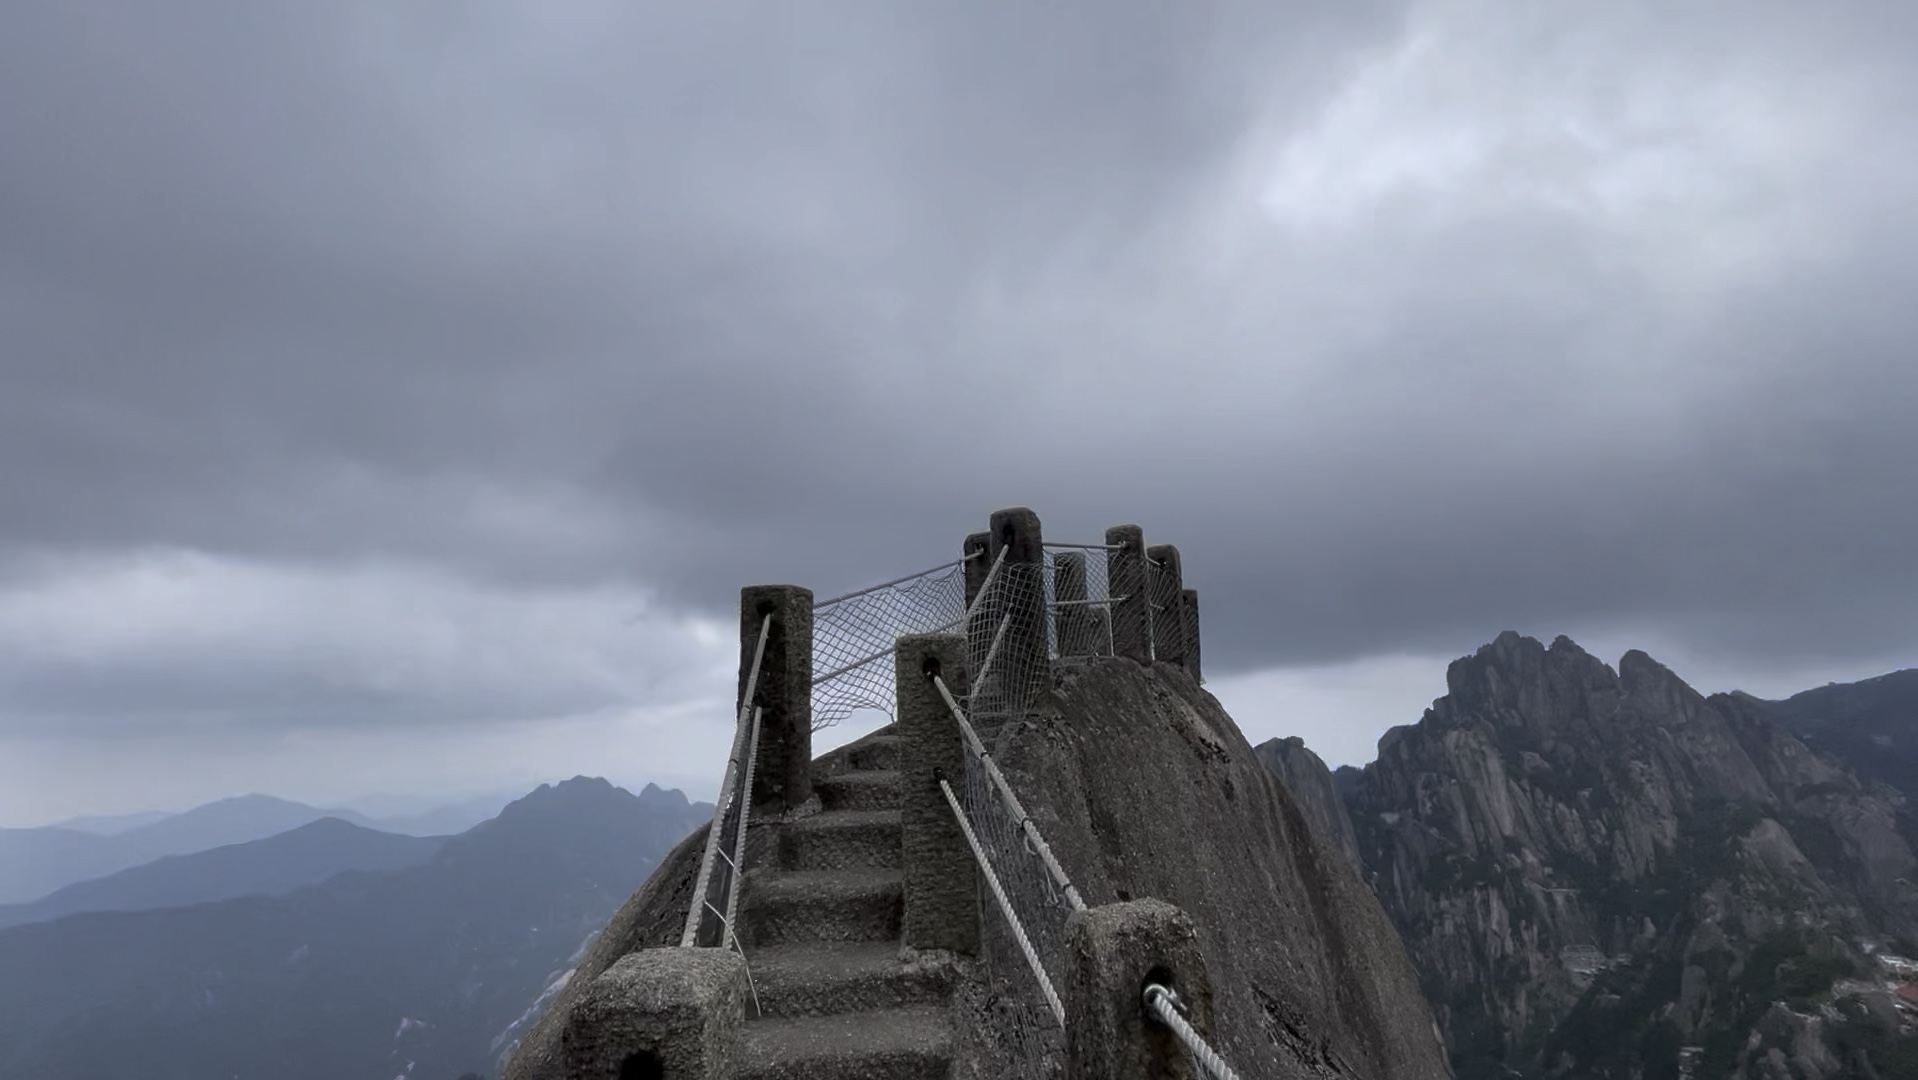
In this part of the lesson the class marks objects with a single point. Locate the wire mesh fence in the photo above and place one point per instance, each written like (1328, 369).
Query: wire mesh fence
(1008, 644)
(853, 635)
(1079, 594)
(1040, 907)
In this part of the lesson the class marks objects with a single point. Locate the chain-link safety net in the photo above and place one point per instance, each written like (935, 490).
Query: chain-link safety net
(1008, 644)
(853, 635)
(1041, 907)
(1079, 594)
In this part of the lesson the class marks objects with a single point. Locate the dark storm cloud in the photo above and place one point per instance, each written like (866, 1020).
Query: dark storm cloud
(563, 297)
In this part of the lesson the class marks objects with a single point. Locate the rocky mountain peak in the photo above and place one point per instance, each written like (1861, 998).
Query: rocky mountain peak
(1552, 824)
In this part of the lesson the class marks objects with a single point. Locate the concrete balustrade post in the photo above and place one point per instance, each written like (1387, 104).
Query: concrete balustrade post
(941, 905)
(1126, 581)
(782, 777)
(1112, 952)
(1072, 617)
(977, 551)
(1191, 597)
(1025, 654)
(671, 1013)
(1168, 600)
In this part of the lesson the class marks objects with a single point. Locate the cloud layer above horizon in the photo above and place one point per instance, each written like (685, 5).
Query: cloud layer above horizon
(416, 370)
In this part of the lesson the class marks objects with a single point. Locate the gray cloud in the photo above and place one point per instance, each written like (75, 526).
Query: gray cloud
(1408, 322)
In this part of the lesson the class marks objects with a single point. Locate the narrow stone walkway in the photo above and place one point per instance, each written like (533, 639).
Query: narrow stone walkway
(822, 931)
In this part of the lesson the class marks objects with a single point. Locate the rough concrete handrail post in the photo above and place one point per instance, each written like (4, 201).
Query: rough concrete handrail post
(1126, 583)
(1072, 616)
(1112, 952)
(941, 901)
(680, 1009)
(1191, 598)
(782, 770)
(1168, 599)
(1015, 530)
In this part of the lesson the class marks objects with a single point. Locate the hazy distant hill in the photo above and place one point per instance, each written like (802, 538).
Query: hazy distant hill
(410, 972)
(35, 862)
(274, 866)
(112, 824)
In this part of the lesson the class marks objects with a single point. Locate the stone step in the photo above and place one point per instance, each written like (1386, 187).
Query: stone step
(875, 752)
(821, 905)
(861, 789)
(841, 839)
(818, 978)
(885, 1044)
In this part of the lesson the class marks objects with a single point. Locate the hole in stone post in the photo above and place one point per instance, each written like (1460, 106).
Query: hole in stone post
(765, 608)
(931, 667)
(1161, 975)
(642, 1065)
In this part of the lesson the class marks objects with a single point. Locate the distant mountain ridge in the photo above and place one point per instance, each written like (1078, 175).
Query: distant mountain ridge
(38, 861)
(274, 866)
(1870, 725)
(410, 972)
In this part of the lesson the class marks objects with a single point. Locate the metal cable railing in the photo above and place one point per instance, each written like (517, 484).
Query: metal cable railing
(1164, 1004)
(1030, 889)
(745, 732)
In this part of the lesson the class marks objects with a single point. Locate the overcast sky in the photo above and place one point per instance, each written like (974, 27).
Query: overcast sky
(394, 396)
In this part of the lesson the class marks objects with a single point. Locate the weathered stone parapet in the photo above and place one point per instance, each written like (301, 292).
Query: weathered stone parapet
(782, 777)
(1168, 604)
(670, 1013)
(941, 909)
(1126, 578)
(977, 551)
(1191, 599)
(1112, 952)
(1025, 652)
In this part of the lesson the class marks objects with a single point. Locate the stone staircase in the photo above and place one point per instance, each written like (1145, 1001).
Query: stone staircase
(821, 929)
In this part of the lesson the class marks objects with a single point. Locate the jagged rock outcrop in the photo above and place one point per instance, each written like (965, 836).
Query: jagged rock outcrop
(1311, 784)
(1594, 868)
(1145, 787)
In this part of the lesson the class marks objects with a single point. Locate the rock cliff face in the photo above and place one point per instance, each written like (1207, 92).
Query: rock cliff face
(1603, 873)
(1304, 775)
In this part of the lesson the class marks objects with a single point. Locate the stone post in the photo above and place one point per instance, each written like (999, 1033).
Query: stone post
(1125, 576)
(1191, 597)
(782, 776)
(1072, 616)
(1168, 598)
(941, 908)
(1112, 951)
(671, 1013)
(978, 552)
(1023, 656)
